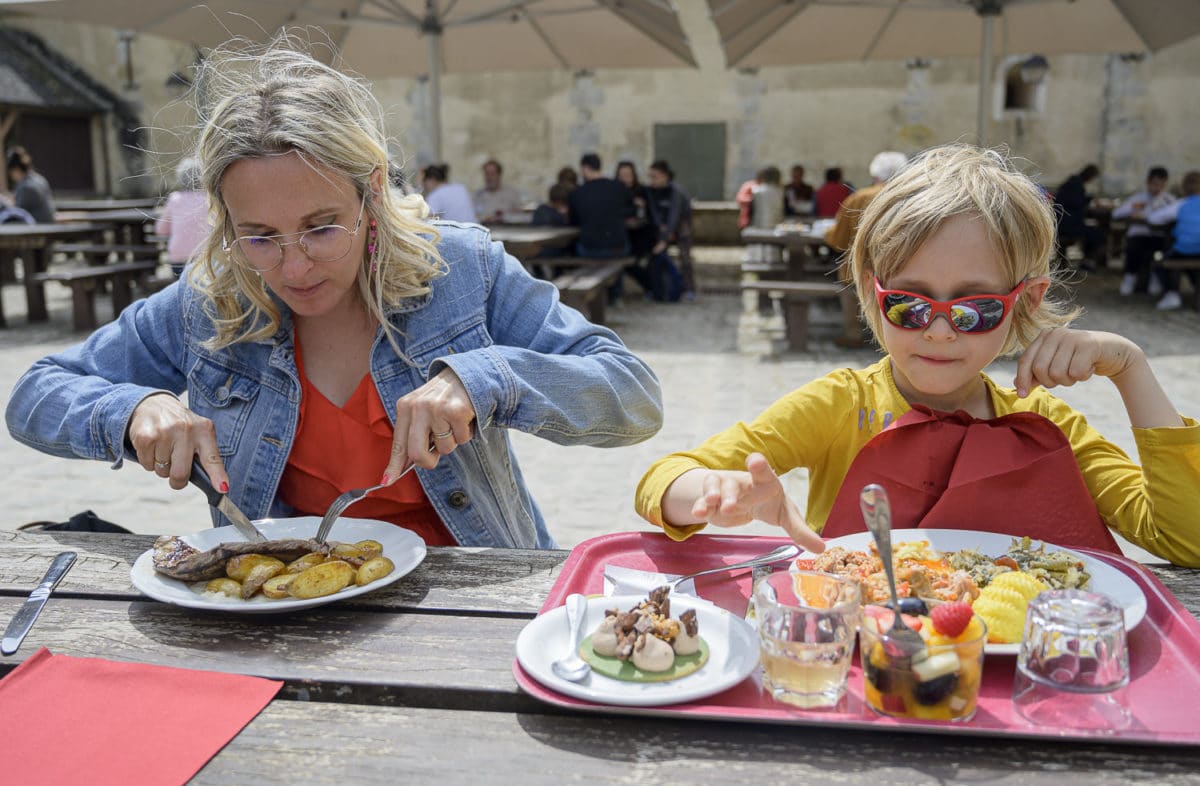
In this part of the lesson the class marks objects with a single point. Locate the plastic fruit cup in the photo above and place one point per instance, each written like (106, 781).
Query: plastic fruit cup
(940, 682)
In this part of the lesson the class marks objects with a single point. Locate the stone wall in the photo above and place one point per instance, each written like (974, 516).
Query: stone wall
(1125, 114)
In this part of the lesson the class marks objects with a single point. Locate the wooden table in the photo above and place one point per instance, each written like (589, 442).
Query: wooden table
(414, 682)
(528, 242)
(33, 240)
(107, 204)
(130, 225)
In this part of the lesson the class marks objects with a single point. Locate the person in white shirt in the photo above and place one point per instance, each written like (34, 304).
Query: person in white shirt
(496, 201)
(450, 201)
(1143, 241)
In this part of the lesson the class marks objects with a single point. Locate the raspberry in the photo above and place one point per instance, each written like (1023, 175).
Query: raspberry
(951, 619)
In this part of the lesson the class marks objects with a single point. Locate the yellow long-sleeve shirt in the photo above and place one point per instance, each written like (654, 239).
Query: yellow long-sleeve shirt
(823, 425)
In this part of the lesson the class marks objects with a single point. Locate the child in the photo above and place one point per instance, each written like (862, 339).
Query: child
(955, 222)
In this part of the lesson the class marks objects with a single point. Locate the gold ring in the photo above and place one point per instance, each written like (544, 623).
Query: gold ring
(443, 434)
(162, 464)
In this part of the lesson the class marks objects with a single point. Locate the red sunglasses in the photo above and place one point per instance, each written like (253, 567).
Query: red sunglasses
(972, 314)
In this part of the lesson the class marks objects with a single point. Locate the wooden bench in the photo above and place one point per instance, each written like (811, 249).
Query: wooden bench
(85, 281)
(99, 253)
(586, 287)
(1191, 264)
(793, 299)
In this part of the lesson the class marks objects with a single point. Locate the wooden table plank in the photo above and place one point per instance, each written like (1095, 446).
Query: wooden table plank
(297, 741)
(516, 583)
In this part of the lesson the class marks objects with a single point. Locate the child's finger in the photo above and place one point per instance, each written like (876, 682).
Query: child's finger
(797, 528)
(761, 473)
(1023, 381)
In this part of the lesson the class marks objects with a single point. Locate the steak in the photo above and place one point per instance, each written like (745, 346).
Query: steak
(176, 559)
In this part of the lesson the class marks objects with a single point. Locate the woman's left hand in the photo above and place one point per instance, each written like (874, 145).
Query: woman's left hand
(1063, 356)
(431, 422)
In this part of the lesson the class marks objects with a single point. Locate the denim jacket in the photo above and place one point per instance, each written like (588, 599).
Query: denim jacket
(526, 361)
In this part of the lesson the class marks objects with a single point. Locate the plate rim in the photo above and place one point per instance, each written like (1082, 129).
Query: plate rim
(1134, 613)
(648, 694)
(144, 578)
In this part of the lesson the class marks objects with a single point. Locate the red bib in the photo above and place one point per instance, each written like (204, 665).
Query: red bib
(1013, 475)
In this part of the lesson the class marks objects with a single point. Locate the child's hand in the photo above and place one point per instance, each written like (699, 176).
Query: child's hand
(733, 498)
(1063, 357)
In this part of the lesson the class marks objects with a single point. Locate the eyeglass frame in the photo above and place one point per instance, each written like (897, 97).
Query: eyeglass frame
(942, 307)
(228, 247)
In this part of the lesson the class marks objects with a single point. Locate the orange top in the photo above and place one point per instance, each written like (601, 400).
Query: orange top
(358, 437)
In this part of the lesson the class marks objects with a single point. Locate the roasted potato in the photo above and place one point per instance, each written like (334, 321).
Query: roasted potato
(302, 564)
(276, 587)
(264, 569)
(239, 567)
(225, 586)
(373, 570)
(321, 580)
(347, 552)
(370, 549)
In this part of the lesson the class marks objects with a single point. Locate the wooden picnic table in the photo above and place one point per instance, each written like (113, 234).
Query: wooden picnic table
(33, 241)
(414, 682)
(528, 242)
(96, 204)
(130, 225)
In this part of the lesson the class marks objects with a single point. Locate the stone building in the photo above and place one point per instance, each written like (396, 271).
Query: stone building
(716, 126)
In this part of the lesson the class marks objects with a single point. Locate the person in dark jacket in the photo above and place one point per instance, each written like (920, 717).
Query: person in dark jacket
(31, 192)
(1072, 200)
(671, 211)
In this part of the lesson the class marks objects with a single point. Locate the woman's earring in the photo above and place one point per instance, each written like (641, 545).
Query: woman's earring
(372, 234)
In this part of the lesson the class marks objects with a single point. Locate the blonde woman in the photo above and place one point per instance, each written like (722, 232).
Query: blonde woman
(952, 267)
(328, 333)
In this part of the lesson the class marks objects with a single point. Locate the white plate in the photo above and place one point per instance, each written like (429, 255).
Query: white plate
(1105, 578)
(403, 547)
(732, 644)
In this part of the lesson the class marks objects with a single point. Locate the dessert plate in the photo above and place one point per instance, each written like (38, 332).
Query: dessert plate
(1104, 578)
(403, 547)
(733, 654)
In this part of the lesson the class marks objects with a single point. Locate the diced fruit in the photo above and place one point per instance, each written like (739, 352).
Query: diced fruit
(893, 703)
(879, 677)
(935, 666)
(913, 606)
(951, 619)
(935, 690)
(884, 616)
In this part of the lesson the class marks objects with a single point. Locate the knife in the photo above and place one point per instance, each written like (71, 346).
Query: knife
(32, 607)
(199, 478)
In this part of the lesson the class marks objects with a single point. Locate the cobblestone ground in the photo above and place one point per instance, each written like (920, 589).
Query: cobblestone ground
(716, 364)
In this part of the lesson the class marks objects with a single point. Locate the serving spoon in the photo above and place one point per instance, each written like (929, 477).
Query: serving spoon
(571, 667)
(877, 512)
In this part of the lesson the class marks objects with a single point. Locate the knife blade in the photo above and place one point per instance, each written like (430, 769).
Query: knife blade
(28, 613)
(199, 479)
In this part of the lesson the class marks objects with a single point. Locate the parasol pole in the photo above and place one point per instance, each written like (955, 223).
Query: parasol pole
(435, 93)
(985, 81)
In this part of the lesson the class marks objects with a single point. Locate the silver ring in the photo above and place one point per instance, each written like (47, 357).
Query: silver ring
(443, 434)
(162, 464)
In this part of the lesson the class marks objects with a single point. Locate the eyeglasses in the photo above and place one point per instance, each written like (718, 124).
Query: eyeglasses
(264, 253)
(972, 314)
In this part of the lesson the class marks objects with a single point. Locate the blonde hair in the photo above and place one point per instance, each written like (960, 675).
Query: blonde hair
(273, 99)
(956, 180)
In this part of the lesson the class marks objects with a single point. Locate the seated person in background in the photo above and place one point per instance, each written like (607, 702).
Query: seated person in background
(328, 334)
(671, 215)
(798, 196)
(31, 192)
(184, 219)
(1072, 200)
(554, 211)
(568, 177)
(946, 290)
(745, 198)
(1142, 241)
(642, 232)
(450, 201)
(600, 208)
(495, 200)
(1185, 212)
(829, 197)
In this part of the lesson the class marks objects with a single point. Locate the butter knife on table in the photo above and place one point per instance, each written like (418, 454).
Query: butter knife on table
(32, 607)
(199, 479)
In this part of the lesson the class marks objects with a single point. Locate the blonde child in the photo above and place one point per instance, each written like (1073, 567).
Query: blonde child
(956, 222)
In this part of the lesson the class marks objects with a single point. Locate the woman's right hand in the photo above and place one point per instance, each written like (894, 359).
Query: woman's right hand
(166, 435)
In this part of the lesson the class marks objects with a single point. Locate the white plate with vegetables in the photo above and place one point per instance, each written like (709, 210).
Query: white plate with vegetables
(1103, 578)
(404, 548)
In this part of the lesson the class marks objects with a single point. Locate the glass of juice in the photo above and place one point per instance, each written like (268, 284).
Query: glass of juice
(806, 627)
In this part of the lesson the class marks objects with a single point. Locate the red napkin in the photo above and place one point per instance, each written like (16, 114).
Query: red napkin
(1014, 475)
(100, 722)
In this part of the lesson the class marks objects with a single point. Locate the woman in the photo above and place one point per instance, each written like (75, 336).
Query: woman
(31, 192)
(328, 334)
(642, 233)
(184, 219)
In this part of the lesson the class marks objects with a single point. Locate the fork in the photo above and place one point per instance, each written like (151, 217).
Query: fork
(348, 498)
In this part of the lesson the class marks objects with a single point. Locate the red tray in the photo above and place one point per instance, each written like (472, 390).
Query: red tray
(1164, 652)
